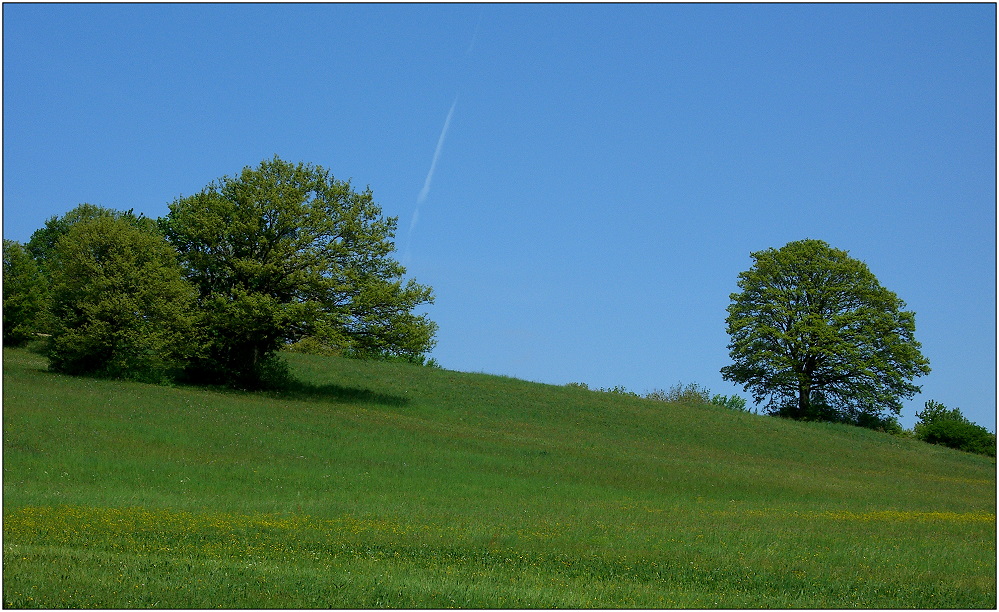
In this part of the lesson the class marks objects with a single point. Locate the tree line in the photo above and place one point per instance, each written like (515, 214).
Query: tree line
(284, 254)
(211, 292)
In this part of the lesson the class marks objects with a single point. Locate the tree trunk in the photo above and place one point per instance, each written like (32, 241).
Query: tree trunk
(804, 395)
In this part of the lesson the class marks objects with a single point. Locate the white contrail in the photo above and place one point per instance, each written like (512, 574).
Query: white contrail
(440, 142)
(437, 154)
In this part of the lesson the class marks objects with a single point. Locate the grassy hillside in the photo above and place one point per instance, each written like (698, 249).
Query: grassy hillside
(376, 484)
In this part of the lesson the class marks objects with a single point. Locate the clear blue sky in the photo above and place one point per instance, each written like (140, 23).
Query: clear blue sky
(581, 184)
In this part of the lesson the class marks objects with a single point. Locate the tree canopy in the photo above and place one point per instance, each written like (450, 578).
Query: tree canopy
(42, 244)
(815, 334)
(282, 252)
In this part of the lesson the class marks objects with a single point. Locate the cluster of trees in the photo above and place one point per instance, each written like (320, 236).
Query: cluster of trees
(283, 254)
(278, 254)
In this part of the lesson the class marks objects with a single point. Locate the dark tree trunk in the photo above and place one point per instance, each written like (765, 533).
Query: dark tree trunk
(804, 400)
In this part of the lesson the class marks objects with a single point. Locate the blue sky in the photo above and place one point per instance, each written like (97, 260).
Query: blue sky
(581, 184)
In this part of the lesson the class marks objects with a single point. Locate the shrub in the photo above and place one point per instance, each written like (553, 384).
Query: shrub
(620, 390)
(935, 411)
(965, 436)
(948, 427)
(690, 395)
(733, 402)
(877, 422)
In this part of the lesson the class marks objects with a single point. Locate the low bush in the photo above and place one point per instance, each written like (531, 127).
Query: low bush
(948, 427)
(620, 390)
(733, 402)
(967, 437)
(691, 395)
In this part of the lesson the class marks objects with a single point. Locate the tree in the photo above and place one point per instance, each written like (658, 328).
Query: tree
(283, 252)
(120, 305)
(815, 334)
(42, 244)
(24, 295)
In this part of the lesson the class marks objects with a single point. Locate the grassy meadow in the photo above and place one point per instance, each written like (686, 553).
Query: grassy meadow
(391, 485)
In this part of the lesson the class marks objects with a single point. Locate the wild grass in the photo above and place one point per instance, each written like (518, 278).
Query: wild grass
(390, 485)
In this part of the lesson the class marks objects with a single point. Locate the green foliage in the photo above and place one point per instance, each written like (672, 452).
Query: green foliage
(284, 252)
(25, 295)
(120, 305)
(815, 334)
(878, 422)
(820, 410)
(619, 390)
(733, 402)
(42, 244)
(934, 411)
(390, 356)
(967, 437)
(313, 346)
(940, 425)
(690, 395)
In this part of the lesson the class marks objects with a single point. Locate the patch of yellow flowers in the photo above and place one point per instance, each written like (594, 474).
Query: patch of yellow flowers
(30, 520)
(902, 516)
(172, 531)
(169, 531)
(889, 516)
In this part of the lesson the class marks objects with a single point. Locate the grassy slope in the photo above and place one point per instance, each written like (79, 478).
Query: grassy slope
(391, 485)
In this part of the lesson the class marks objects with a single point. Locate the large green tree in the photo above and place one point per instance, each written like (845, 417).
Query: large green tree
(41, 247)
(284, 251)
(815, 334)
(120, 306)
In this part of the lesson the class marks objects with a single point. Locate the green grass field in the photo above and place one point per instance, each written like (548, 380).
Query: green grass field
(391, 485)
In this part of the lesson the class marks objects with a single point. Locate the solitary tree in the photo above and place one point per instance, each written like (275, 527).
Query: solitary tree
(119, 303)
(815, 334)
(282, 252)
